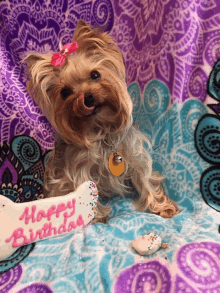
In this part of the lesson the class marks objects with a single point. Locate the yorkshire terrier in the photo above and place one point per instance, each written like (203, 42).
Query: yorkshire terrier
(84, 96)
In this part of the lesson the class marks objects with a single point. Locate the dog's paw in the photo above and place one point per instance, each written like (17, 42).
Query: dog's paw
(102, 220)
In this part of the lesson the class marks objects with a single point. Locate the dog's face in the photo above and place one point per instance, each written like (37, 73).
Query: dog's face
(86, 98)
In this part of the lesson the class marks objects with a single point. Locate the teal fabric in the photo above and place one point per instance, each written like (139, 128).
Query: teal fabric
(170, 48)
(90, 260)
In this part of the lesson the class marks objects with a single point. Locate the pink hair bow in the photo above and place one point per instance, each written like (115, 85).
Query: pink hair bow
(58, 59)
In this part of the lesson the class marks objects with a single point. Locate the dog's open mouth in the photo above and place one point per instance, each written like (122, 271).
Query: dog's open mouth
(86, 105)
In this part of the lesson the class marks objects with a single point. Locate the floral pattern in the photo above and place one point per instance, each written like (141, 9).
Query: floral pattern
(196, 271)
(169, 49)
(162, 40)
(207, 142)
(9, 279)
(100, 253)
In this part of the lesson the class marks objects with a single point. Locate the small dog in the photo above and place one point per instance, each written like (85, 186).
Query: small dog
(85, 98)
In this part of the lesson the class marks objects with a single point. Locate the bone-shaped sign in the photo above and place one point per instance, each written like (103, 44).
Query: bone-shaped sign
(24, 223)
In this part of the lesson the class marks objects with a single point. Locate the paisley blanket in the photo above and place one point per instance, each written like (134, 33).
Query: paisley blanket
(171, 51)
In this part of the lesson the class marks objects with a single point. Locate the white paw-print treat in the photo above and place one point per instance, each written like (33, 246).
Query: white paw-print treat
(147, 245)
(45, 218)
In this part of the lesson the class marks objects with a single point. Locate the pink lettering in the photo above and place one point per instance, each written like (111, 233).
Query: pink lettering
(18, 237)
(52, 228)
(60, 208)
(45, 228)
(62, 227)
(73, 211)
(41, 214)
(50, 212)
(69, 205)
(80, 221)
(27, 216)
(18, 233)
(71, 226)
(32, 235)
(39, 233)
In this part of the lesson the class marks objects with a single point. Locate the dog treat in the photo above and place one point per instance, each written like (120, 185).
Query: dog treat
(164, 245)
(147, 245)
(45, 218)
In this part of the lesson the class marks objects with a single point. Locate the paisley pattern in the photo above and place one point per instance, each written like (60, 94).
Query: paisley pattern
(214, 82)
(207, 142)
(207, 139)
(210, 187)
(143, 277)
(92, 260)
(171, 131)
(16, 258)
(41, 288)
(162, 39)
(197, 269)
(9, 279)
(21, 180)
(21, 169)
(169, 49)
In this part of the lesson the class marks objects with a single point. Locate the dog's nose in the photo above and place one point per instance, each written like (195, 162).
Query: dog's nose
(89, 100)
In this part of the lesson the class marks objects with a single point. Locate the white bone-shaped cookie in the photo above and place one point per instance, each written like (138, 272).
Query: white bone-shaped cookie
(24, 223)
(147, 244)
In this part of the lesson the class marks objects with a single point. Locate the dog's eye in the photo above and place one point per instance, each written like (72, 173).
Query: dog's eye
(65, 93)
(95, 75)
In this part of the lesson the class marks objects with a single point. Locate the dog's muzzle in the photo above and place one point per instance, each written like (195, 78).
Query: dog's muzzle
(84, 105)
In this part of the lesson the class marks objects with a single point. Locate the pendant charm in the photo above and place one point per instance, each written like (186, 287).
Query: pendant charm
(116, 164)
(117, 158)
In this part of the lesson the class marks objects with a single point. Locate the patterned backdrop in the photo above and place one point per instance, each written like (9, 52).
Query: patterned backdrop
(171, 50)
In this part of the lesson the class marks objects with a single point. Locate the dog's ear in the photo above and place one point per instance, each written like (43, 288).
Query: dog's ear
(39, 64)
(82, 28)
(88, 38)
(32, 59)
(42, 80)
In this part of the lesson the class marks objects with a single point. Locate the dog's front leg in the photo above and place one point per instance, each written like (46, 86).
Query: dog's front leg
(151, 194)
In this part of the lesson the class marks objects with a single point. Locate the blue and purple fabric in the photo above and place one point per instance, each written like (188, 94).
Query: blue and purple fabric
(171, 52)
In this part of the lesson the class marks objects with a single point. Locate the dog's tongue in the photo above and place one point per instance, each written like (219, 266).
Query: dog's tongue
(82, 107)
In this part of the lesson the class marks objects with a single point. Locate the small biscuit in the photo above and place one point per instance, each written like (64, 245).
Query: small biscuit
(147, 245)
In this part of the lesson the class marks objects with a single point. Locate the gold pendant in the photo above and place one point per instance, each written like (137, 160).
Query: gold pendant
(116, 164)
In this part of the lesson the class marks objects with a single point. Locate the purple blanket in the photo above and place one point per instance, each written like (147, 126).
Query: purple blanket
(171, 51)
